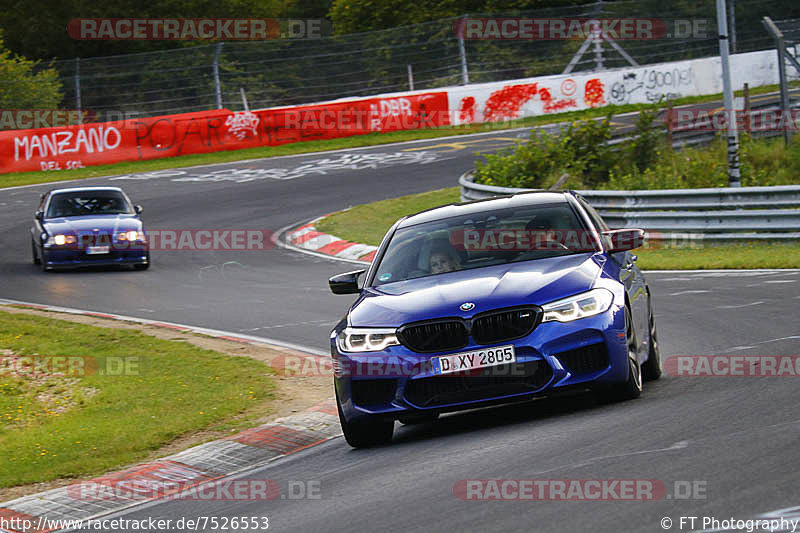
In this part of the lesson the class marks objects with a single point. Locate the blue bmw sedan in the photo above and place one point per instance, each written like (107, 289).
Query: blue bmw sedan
(88, 226)
(488, 302)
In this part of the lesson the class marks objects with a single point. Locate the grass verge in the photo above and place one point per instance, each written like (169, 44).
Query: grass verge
(372, 139)
(368, 223)
(115, 396)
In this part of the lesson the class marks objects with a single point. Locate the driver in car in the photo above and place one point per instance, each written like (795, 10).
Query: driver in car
(444, 261)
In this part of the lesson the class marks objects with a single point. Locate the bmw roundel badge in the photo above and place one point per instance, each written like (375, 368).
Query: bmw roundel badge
(467, 306)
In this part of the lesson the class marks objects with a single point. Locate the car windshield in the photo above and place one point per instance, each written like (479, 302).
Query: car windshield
(483, 239)
(81, 203)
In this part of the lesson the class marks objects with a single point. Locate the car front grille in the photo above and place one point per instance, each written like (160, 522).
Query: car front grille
(434, 336)
(585, 360)
(95, 239)
(499, 326)
(489, 383)
(491, 327)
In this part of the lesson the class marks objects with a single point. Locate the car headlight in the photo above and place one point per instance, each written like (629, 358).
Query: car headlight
(588, 303)
(366, 339)
(130, 236)
(60, 240)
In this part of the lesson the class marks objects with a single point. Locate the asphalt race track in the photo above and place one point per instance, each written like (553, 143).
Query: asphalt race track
(734, 438)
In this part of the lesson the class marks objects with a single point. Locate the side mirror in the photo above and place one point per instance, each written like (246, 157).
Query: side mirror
(346, 283)
(138, 209)
(39, 215)
(623, 240)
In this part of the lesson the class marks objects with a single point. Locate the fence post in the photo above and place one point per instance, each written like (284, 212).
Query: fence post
(217, 88)
(748, 126)
(410, 78)
(78, 89)
(780, 44)
(463, 53)
(670, 123)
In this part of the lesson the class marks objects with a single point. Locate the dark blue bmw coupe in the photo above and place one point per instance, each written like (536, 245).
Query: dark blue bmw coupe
(88, 226)
(487, 302)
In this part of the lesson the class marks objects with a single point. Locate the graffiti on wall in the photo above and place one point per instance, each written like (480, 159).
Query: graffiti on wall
(651, 84)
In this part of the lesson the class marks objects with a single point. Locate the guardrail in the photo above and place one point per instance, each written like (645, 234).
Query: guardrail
(724, 214)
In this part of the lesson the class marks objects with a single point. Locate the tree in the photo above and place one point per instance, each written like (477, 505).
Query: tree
(351, 16)
(41, 32)
(24, 86)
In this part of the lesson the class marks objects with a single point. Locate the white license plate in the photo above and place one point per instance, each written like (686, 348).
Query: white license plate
(460, 362)
(98, 250)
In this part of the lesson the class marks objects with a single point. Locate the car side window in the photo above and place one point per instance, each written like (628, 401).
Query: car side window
(597, 220)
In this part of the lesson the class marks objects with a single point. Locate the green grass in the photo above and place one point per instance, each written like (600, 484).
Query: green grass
(85, 423)
(745, 255)
(369, 222)
(372, 139)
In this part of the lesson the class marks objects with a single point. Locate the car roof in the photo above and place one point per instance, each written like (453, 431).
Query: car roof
(490, 204)
(85, 189)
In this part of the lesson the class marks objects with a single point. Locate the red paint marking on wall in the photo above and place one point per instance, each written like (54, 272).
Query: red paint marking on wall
(466, 113)
(554, 106)
(507, 103)
(594, 93)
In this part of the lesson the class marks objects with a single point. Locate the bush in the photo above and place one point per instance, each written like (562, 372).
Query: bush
(644, 162)
(21, 88)
(581, 151)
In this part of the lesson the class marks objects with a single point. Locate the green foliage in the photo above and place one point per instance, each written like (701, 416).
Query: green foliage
(40, 32)
(644, 162)
(23, 88)
(581, 151)
(350, 16)
(643, 149)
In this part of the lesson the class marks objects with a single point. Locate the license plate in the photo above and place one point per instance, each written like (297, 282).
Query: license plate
(98, 249)
(459, 362)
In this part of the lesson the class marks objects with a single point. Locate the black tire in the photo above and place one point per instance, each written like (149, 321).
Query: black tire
(631, 388)
(43, 262)
(367, 433)
(410, 420)
(653, 367)
(36, 260)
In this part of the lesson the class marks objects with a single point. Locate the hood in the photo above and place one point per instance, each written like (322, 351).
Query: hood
(524, 283)
(87, 224)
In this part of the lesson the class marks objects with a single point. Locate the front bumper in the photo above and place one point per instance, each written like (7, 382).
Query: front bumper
(553, 358)
(70, 258)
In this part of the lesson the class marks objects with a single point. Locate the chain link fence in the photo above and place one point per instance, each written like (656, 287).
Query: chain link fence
(423, 56)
